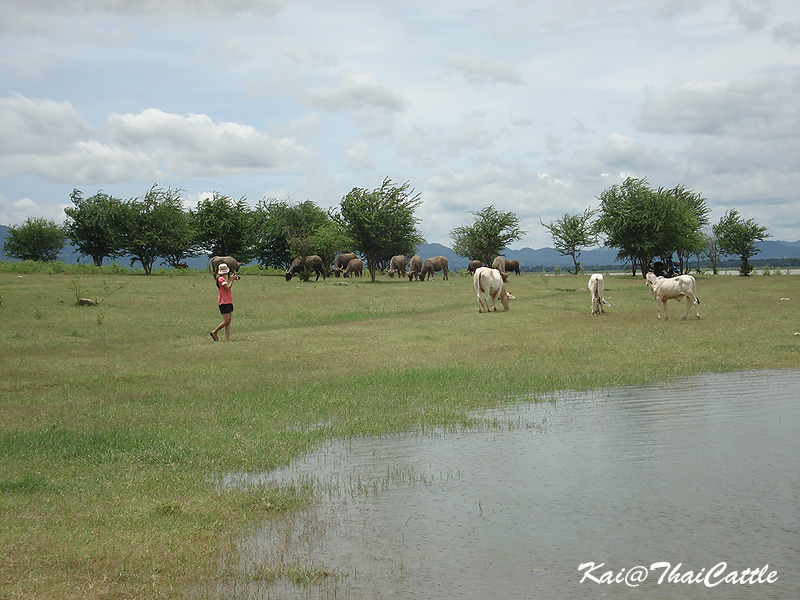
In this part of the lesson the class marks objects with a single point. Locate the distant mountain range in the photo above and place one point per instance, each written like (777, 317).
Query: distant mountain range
(529, 259)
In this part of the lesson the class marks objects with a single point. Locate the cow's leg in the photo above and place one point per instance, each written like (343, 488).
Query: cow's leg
(688, 307)
(662, 305)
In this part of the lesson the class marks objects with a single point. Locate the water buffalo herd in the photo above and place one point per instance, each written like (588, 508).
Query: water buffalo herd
(488, 281)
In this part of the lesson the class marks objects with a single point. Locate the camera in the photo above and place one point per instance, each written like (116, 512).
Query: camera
(236, 276)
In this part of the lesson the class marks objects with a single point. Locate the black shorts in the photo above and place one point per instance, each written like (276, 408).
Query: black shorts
(226, 308)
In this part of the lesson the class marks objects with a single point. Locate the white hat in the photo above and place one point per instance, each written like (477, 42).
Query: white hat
(223, 268)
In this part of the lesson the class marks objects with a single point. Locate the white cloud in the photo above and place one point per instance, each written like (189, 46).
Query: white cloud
(358, 158)
(194, 145)
(15, 212)
(479, 69)
(788, 31)
(524, 104)
(762, 107)
(753, 14)
(371, 102)
(39, 126)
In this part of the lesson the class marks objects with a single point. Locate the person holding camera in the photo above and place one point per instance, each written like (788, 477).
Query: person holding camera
(225, 300)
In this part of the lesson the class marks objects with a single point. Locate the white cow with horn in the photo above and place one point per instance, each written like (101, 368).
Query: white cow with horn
(674, 289)
(490, 282)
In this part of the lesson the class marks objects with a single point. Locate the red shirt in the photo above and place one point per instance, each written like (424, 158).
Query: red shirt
(225, 294)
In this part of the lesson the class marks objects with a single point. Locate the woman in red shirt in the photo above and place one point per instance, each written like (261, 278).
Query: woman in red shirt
(225, 301)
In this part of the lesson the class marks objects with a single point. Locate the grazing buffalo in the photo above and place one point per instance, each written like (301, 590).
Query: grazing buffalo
(415, 268)
(512, 265)
(499, 264)
(431, 265)
(355, 268)
(340, 264)
(473, 266)
(397, 265)
(596, 288)
(489, 282)
(232, 263)
(674, 289)
(312, 262)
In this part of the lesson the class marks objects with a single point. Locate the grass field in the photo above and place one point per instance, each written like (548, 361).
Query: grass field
(118, 419)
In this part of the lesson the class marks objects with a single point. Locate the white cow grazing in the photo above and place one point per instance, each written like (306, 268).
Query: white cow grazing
(675, 288)
(490, 282)
(596, 287)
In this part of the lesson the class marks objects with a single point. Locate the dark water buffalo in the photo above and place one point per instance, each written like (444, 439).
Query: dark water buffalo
(431, 265)
(312, 262)
(340, 264)
(473, 266)
(397, 265)
(232, 263)
(355, 268)
(415, 267)
(512, 266)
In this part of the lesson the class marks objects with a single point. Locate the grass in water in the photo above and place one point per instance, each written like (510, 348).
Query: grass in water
(117, 425)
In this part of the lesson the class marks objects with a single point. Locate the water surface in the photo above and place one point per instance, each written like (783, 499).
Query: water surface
(691, 473)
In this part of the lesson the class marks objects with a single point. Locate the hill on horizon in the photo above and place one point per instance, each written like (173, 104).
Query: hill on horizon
(529, 258)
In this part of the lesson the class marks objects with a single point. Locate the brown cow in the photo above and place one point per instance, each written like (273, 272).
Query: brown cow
(312, 262)
(356, 267)
(473, 266)
(415, 267)
(397, 265)
(340, 264)
(431, 265)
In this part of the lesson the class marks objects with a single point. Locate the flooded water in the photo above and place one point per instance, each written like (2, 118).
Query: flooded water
(697, 480)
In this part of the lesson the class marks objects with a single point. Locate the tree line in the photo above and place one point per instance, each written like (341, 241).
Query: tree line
(646, 225)
(377, 224)
(643, 223)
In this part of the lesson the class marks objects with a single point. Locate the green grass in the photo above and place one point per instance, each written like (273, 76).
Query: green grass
(118, 419)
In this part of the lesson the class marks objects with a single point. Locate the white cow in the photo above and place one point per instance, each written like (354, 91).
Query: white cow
(490, 282)
(675, 288)
(596, 287)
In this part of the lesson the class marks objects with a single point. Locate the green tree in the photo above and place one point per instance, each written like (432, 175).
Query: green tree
(94, 225)
(36, 239)
(711, 250)
(156, 226)
(573, 233)
(738, 237)
(225, 227)
(381, 223)
(488, 236)
(285, 231)
(691, 215)
(643, 223)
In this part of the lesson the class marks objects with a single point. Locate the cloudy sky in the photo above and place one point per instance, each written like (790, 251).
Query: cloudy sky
(534, 106)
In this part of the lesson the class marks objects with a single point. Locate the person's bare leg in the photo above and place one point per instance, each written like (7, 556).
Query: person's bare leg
(227, 324)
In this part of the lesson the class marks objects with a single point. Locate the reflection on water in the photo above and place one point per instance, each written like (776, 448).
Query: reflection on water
(695, 472)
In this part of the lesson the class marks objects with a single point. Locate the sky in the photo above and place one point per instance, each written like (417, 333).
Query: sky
(532, 106)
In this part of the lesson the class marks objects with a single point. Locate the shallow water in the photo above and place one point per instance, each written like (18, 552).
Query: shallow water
(694, 473)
